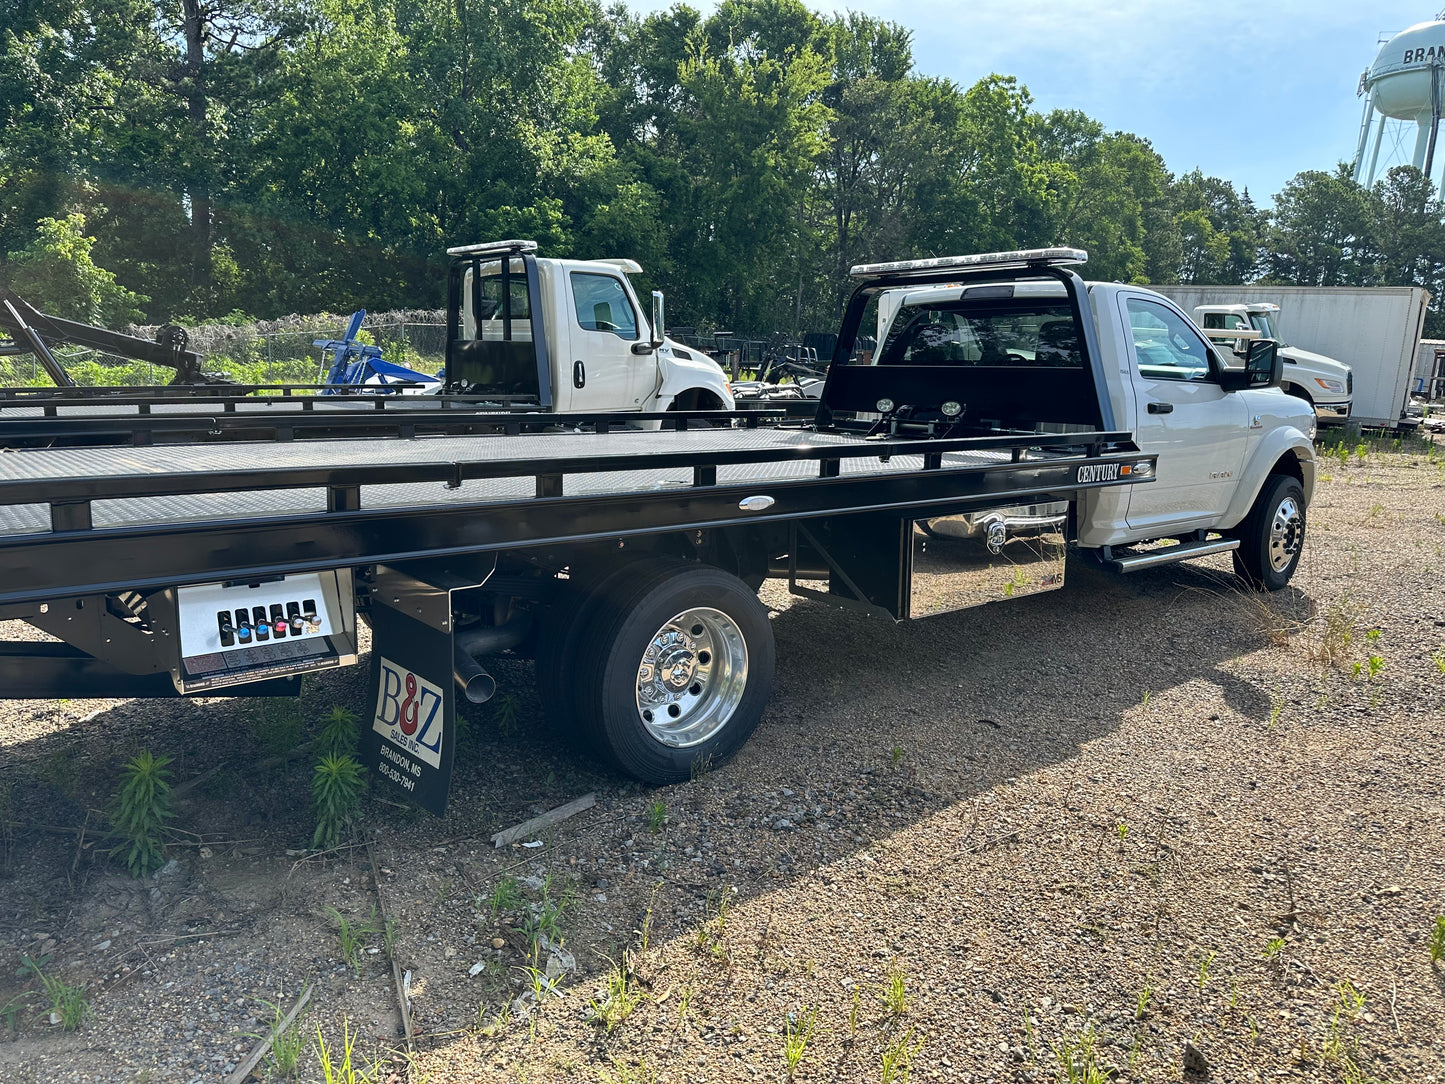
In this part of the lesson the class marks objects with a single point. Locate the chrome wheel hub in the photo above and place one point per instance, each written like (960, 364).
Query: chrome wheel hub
(1286, 533)
(692, 676)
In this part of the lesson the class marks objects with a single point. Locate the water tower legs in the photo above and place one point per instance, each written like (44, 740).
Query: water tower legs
(1364, 139)
(1375, 155)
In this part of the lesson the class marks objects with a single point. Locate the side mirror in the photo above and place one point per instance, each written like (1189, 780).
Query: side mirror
(658, 318)
(1262, 367)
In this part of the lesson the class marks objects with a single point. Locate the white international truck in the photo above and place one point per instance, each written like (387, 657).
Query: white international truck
(1324, 383)
(571, 337)
(206, 543)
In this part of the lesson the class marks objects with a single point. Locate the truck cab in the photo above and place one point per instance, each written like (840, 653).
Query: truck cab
(1229, 440)
(1324, 383)
(566, 336)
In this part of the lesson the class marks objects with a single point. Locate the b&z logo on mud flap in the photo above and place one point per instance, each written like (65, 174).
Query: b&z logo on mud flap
(409, 713)
(1098, 472)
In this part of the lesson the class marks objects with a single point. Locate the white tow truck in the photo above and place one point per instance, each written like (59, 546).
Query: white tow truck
(570, 337)
(1236, 462)
(1324, 383)
(192, 542)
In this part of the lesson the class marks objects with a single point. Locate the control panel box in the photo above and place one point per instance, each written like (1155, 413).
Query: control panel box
(238, 631)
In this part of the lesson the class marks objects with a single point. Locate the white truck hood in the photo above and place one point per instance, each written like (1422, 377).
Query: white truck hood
(1323, 365)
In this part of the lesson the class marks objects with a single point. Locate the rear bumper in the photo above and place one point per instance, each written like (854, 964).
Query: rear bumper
(1328, 413)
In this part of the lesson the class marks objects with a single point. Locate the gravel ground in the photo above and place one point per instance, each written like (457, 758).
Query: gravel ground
(1156, 824)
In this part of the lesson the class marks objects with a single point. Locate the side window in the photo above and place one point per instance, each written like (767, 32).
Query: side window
(1166, 347)
(602, 305)
(1226, 321)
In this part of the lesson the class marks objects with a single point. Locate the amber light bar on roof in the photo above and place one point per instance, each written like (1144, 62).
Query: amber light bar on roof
(493, 248)
(1030, 257)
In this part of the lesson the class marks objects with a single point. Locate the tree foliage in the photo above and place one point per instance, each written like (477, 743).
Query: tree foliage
(276, 156)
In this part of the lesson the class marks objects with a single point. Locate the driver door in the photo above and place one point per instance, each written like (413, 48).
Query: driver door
(604, 372)
(1183, 415)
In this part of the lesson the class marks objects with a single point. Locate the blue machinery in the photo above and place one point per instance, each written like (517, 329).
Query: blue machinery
(354, 363)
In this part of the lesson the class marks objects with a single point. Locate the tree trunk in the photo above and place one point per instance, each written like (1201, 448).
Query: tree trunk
(199, 185)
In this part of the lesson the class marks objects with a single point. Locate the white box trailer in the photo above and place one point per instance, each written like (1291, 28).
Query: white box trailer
(1372, 329)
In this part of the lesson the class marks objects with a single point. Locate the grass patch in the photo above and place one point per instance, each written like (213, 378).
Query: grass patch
(68, 1005)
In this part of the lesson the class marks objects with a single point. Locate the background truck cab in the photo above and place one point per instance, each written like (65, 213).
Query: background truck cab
(1324, 383)
(566, 335)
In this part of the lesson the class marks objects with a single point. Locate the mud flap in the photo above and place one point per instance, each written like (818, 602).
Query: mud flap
(412, 737)
(409, 745)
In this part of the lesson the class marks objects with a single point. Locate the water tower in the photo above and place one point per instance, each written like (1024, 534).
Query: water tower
(1406, 83)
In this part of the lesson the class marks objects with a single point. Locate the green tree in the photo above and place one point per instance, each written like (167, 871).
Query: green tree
(56, 274)
(1319, 234)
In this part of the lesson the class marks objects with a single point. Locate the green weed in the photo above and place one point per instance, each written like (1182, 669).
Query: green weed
(344, 1071)
(1436, 943)
(1079, 1061)
(335, 798)
(617, 999)
(894, 992)
(352, 936)
(657, 816)
(897, 1058)
(1141, 1001)
(505, 712)
(10, 1011)
(506, 896)
(895, 756)
(338, 735)
(797, 1033)
(622, 1073)
(1204, 962)
(284, 1057)
(139, 810)
(66, 1001)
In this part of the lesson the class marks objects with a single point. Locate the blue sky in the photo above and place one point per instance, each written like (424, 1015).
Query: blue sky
(1250, 91)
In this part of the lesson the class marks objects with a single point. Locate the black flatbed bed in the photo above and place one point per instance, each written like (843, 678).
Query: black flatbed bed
(104, 517)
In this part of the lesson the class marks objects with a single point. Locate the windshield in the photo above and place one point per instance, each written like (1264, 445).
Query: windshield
(1264, 324)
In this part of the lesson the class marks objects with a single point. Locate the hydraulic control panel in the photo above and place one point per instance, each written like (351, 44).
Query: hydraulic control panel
(235, 632)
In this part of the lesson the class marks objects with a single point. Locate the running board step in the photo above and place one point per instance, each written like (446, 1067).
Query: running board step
(1137, 562)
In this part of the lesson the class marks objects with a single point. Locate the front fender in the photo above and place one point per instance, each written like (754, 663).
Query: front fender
(1274, 446)
(679, 375)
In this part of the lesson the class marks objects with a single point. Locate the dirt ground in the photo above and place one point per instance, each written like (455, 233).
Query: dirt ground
(1150, 828)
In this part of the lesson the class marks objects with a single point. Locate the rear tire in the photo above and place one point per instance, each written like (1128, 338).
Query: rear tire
(1271, 538)
(675, 671)
(559, 632)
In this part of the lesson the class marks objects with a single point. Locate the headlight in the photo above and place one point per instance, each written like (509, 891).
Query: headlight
(1330, 385)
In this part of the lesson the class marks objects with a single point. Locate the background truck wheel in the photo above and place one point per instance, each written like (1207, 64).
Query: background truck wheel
(675, 671)
(1272, 535)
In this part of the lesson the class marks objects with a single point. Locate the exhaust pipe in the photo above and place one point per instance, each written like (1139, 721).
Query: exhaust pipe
(472, 678)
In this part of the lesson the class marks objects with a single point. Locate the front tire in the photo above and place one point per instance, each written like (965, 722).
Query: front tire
(675, 672)
(1271, 538)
